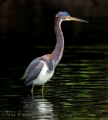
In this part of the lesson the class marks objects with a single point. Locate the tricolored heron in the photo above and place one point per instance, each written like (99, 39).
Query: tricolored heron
(41, 69)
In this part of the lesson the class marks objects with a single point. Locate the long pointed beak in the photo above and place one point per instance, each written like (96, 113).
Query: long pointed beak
(76, 19)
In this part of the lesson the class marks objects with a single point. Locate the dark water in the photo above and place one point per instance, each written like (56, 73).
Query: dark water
(77, 91)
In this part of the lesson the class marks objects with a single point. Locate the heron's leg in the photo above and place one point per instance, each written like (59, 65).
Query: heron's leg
(42, 90)
(32, 89)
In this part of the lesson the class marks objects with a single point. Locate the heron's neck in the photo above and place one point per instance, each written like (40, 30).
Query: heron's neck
(58, 51)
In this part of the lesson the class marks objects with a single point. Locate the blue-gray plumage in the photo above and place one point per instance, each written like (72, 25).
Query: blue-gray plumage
(41, 69)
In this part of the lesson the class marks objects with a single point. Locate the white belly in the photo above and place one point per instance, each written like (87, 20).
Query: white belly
(44, 76)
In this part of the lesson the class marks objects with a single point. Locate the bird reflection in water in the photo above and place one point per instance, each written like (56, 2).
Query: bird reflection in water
(38, 108)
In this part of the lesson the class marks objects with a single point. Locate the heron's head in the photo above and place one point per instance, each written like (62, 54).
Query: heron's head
(66, 17)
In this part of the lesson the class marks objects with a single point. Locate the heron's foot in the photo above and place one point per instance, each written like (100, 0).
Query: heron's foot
(32, 89)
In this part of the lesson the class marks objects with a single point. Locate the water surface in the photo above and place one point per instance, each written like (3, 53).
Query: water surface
(78, 89)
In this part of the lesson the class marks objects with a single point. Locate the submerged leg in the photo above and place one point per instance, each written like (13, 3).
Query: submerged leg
(32, 89)
(42, 90)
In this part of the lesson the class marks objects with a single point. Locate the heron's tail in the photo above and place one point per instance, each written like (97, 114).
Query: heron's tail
(21, 78)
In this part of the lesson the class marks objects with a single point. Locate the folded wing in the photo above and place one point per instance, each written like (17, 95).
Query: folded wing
(33, 74)
(33, 70)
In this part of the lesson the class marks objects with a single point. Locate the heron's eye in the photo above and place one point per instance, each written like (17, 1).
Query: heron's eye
(67, 17)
